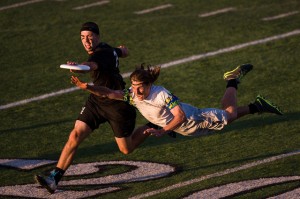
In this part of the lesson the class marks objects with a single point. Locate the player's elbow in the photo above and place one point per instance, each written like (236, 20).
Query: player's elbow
(125, 51)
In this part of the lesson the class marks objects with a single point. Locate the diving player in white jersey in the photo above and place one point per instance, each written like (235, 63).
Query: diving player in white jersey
(161, 107)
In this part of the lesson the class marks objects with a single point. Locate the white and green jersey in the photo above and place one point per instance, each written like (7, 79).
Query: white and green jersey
(156, 109)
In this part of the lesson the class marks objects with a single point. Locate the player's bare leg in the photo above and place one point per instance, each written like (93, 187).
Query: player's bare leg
(242, 111)
(128, 145)
(77, 135)
(229, 100)
(229, 103)
(260, 105)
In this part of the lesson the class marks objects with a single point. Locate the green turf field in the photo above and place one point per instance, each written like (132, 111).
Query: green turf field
(39, 36)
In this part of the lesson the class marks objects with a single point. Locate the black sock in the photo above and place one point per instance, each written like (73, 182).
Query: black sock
(232, 83)
(253, 109)
(58, 174)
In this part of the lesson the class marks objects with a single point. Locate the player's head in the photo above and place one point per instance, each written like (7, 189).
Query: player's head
(90, 36)
(142, 79)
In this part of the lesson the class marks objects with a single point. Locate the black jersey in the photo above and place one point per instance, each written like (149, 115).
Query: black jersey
(108, 73)
(97, 110)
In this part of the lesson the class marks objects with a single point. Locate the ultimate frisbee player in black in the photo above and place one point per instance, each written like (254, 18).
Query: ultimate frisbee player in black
(104, 69)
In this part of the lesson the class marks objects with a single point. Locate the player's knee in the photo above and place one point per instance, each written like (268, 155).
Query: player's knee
(126, 150)
(231, 116)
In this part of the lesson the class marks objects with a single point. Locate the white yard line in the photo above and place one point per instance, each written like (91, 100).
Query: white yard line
(41, 97)
(91, 5)
(166, 65)
(153, 9)
(280, 16)
(224, 10)
(217, 174)
(19, 4)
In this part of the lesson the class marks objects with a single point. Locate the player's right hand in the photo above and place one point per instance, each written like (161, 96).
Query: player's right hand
(72, 63)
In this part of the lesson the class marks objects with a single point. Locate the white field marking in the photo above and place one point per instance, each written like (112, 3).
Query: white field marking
(166, 65)
(19, 4)
(25, 164)
(91, 5)
(280, 16)
(217, 12)
(231, 189)
(290, 194)
(217, 174)
(41, 97)
(153, 9)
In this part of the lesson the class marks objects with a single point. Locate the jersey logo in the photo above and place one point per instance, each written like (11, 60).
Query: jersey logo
(117, 59)
(82, 110)
(127, 96)
(171, 101)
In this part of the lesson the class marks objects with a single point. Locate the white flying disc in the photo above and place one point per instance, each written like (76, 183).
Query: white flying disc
(75, 67)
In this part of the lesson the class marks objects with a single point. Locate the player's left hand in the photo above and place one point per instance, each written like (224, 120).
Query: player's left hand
(78, 83)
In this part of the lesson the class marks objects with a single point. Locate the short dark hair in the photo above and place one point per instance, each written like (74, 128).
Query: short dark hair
(90, 26)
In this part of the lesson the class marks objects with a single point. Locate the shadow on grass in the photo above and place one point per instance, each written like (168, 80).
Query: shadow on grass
(88, 151)
(246, 122)
(262, 120)
(36, 126)
(111, 147)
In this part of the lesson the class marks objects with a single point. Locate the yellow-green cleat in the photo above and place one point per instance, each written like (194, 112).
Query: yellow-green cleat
(266, 106)
(238, 73)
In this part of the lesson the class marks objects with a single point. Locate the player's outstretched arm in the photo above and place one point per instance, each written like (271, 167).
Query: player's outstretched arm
(178, 119)
(98, 90)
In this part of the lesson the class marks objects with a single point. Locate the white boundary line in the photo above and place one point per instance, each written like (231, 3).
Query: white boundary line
(41, 97)
(217, 174)
(280, 16)
(217, 12)
(153, 9)
(19, 4)
(91, 5)
(223, 50)
(166, 65)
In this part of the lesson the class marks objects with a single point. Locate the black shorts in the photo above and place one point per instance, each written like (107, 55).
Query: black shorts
(120, 115)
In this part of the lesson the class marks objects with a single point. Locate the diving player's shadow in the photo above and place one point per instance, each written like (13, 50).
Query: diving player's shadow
(112, 148)
(245, 123)
(261, 120)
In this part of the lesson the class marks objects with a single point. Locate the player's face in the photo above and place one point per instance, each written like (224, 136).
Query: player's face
(89, 40)
(140, 90)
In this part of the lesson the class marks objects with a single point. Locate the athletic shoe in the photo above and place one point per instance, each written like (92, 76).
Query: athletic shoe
(265, 106)
(238, 73)
(48, 183)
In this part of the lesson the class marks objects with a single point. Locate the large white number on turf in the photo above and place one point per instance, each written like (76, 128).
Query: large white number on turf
(139, 171)
(229, 190)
